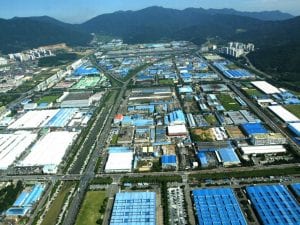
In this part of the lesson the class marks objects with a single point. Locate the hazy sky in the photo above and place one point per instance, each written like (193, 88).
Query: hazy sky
(76, 11)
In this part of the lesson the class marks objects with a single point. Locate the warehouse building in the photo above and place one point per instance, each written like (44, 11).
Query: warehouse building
(34, 119)
(119, 160)
(25, 201)
(265, 87)
(134, 208)
(75, 99)
(13, 145)
(283, 114)
(250, 129)
(217, 206)
(295, 128)
(42, 154)
(268, 139)
(177, 130)
(274, 204)
(266, 149)
(168, 161)
(175, 118)
(227, 156)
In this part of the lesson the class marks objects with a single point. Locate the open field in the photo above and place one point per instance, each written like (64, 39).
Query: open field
(166, 81)
(295, 109)
(253, 92)
(211, 119)
(228, 102)
(89, 212)
(202, 135)
(47, 99)
(56, 206)
(86, 82)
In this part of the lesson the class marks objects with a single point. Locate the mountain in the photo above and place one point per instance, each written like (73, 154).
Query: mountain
(18, 33)
(275, 15)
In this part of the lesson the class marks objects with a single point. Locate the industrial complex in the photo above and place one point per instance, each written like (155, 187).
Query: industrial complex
(157, 133)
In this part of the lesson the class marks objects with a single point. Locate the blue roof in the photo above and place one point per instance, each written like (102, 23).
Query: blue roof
(217, 206)
(186, 89)
(25, 201)
(62, 117)
(84, 70)
(202, 158)
(296, 188)
(274, 204)
(253, 128)
(176, 116)
(118, 149)
(228, 155)
(168, 159)
(134, 208)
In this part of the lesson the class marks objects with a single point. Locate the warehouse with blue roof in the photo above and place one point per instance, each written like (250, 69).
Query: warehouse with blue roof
(253, 128)
(202, 158)
(168, 161)
(85, 70)
(227, 156)
(217, 206)
(175, 117)
(134, 208)
(274, 204)
(25, 201)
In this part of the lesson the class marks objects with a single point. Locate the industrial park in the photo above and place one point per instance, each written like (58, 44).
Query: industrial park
(155, 133)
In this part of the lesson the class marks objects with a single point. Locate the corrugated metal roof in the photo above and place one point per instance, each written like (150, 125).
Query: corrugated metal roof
(274, 204)
(134, 208)
(217, 206)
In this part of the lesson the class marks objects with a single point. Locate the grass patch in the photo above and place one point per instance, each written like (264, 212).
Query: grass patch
(89, 212)
(114, 139)
(47, 99)
(211, 119)
(56, 206)
(58, 60)
(295, 109)
(228, 102)
(166, 81)
(232, 66)
(202, 135)
(253, 92)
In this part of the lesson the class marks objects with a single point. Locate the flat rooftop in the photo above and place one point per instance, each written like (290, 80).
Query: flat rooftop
(134, 208)
(217, 206)
(274, 204)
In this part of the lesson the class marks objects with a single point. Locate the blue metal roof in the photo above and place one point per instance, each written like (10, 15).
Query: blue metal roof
(62, 117)
(202, 158)
(228, 155)
(217, 206)
(176, 116)
(296, 188)
(84, 70)
(253, 128)
(25, 201)
(134, 208)
(118, 149)
(168, 159)
(274, 204)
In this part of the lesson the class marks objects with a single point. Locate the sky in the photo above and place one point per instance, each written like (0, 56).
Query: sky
(77, 11)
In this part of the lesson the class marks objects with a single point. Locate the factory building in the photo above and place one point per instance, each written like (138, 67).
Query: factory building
(217, 206)
(295, 128)
(75, 100)
(274, 204)
(283, 114)
(266, 149)
(25, 201)
(177, 130)
(168, 161)
(134, 208)
(119, 160)
(268, 139)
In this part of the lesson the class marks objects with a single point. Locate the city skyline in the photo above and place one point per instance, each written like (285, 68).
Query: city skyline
(78, 11)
